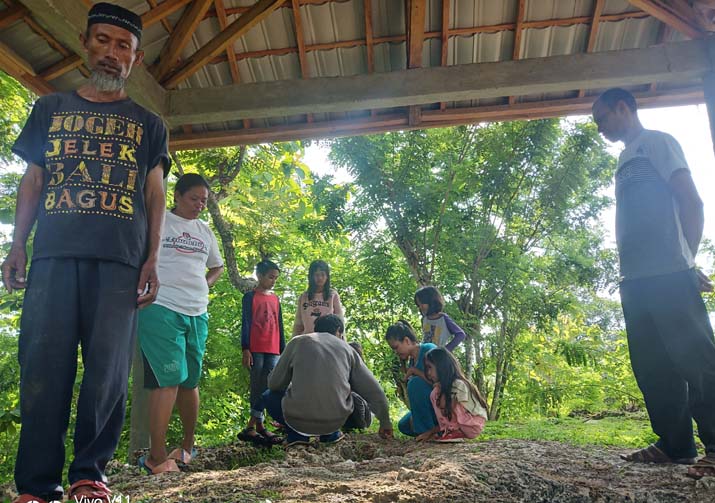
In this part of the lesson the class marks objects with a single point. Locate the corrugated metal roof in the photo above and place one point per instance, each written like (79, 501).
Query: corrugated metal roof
(343, 21)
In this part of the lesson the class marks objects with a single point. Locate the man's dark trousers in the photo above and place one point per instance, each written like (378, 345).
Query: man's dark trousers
(71, 302)
(672, 352)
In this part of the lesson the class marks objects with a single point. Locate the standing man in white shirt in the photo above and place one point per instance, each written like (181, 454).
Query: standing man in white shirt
(659, 224)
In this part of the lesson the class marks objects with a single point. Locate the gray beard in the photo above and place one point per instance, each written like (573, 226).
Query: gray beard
(106, 83)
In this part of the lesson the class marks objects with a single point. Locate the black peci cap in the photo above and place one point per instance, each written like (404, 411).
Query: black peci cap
(107, 13)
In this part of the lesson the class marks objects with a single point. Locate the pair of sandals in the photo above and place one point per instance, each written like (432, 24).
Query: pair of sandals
(699, 468)
(82, 490)
(176, 457)
(259, 437)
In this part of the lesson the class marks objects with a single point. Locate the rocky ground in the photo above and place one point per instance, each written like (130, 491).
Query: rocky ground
(367, 468)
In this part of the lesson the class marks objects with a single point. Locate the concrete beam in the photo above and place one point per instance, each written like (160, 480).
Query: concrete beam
(65, 20)
(677, 62)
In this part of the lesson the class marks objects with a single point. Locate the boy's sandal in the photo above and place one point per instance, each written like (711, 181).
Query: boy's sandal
(182, 456)
(251, 435)
(89, 490)
(269, 437)
(653, 454)
(28, 498)
(704, 467)
(167, 466)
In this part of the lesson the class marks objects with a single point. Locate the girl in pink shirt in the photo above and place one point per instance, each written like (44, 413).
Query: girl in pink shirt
(318, 301)
(460, 409)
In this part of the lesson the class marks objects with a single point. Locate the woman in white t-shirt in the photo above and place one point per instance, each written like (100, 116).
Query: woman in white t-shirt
(318, 300)
(173, 330)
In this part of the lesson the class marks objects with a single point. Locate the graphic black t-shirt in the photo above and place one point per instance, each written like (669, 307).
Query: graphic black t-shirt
(96, 157)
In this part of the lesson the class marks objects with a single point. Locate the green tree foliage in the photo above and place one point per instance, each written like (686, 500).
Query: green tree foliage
(500, 217)
(15, 103)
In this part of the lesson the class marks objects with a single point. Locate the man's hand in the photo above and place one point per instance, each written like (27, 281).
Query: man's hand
(427, 435)
(704, 282)
(412, 371)
(247, 359)
(13, 269)
(148, 284)
(385, 432)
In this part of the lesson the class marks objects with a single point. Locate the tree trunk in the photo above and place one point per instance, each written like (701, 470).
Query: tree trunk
(229, 251)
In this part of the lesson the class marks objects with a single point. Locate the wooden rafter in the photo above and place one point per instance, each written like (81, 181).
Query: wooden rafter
(230, 51)
(415, 16)
(593, 33)
(11, 15)
(676, 13)
(370, 52)
(21, 70)
(675, 62)
(431, 118)
(261, 10)
(159, 12)
(518, 30)
(300, 40)
(185, 28)
(164, 22)
(664, 33)
(61, 67)
(445, 41)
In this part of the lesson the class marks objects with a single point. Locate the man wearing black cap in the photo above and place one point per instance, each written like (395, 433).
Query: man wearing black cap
(96, 161)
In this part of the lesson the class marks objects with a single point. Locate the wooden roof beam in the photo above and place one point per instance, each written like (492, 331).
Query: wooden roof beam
(415, 11)
(672, 13)
(159, 12)
(431, 118)
(167, 26)
(61, 67)
(230, 52)
(518, 30)
(65, 20)
(593, 33)
(12, 14)
(674, 62)
(444, 57)
(261, 10)
(21, 70)
(300, 41)
(184, 29)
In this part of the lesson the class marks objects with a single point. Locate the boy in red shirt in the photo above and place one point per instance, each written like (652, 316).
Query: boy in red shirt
(262, 340)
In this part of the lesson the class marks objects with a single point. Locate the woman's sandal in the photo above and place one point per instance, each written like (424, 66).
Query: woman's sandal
(167, 466)
(653, 454)
(269, 437)
(704, 467)
(182, 456)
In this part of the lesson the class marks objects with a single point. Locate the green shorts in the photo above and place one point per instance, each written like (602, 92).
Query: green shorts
(174, 345)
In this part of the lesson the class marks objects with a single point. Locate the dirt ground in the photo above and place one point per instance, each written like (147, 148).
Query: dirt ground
(367, 468)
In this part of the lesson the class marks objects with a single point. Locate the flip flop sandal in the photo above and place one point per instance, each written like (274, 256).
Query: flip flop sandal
(89, 490)
(28, 498)
(182, 456)
(167, 466)
(256, 438)
(270, 438)
(653, 454)
(704, 467)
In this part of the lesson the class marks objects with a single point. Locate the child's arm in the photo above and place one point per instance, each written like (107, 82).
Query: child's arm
(458, 334)
(246, 320)
(427, 435)
(281, 332)
(298, 323)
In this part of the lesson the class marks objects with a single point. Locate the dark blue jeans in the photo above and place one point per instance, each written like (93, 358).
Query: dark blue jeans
(421, 416)
(672, 351)
(263, 363)
(68, 303)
